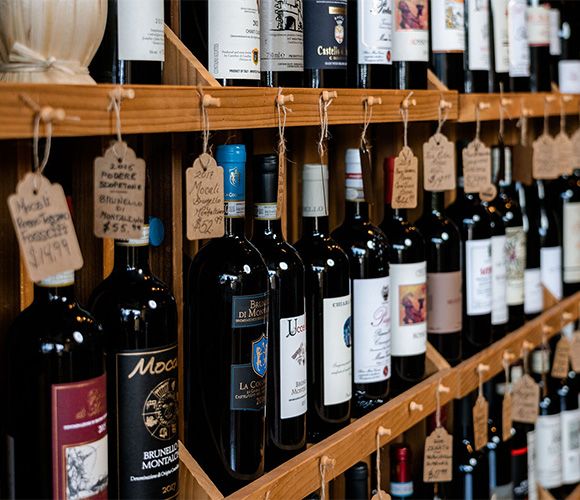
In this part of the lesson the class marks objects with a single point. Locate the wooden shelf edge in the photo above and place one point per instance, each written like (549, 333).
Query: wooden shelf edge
(193, 481)
(575, 495)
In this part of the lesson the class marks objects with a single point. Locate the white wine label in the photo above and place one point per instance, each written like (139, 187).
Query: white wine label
(293, 382)
(538, 26)
(371, 330)
(548, 451)
(325, 32)
(478, 276)
(375, 29)
(515, 264)
(234, 39)
(531, 455)
(408, 309)
(337, 341)
(533, 292)
(444, 299)
(569, 76)
(411, 31)
(447, 28)
(571, 231)
(555, 42)
(551, 268)
(499, 306)
(478, 38)
(140, 30)
(499, 12)
(570, 446)
(519, 50)
(282, 33)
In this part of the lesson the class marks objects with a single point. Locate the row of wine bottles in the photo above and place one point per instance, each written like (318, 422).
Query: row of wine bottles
(354, 43)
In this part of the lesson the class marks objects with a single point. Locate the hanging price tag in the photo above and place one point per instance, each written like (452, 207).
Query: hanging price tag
(406, 180)
(119, 193)
(575, 352)
(506, 416)
(439, 163)
(44, 228)
(561, 362)
(438, 457)
(543, 164)
(480, 422)
(367, 172)
(576, 147)
(525, 400)
(204, 188)
(563, 151)
(476, 167)
(381, 495)
(489, 193)
(281, 184)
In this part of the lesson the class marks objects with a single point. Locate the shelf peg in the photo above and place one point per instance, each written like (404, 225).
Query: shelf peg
(527, 346)
(483, 105)
(506, 101)
(413, 406)
(327, 95)
(407, 101)
(371, 101)
(550, 98)
(546, 330)
(48, 114)
(566, 98)
(443, 104)
(481, 368)
(383, 431)
(508, 356)
(443, 388)
(567, 317)
(120, 93)
(282, 99)
(211, 102)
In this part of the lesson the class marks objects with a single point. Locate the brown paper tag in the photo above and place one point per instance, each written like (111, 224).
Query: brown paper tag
(543, 164)
(489, 193)
(522, 164)
(438, 457)
(367, 173)
(281, 199)
(119, 193)
(381, 495)
(575, 352)
(204, 188)
(480, 422)
(476, 167)
(439, 164)
(406, 180)
(525, 400)
(563, 152)
(576, 147)
(506, 416)
(44, 227)
(561, 362)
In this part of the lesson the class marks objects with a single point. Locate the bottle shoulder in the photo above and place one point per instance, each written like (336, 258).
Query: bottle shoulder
(275, 252)
(317, 249)
(361, 238)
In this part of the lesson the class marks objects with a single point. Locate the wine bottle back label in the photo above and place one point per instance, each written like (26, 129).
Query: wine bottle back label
(551, 268)
(248, 388)
(411, 31)
(234, 39)
(337, 341)
(249, 310)
(375, 28)
(140, 30)
(519, 51)
(293, 378)
(282, 28)
(548, 451)
(571, 233)
(499, 307)
(79, 439)
(478, 276)
(478, 38)
(571, 446)
(448, 33)
(528, 487)
(555, 42)
(401, 490)
(533, 293)
(538, 26)
(409, 309)
(444, 302)
(515, 264)
(371, 330)
(500, 35)
(325, 34)
(147, 454)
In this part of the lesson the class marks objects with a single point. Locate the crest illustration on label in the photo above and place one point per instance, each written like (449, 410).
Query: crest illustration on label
(260, 355)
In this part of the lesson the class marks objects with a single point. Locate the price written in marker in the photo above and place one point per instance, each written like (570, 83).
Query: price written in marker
(405, 180)
(438, 458)
(525, 400)
(439, 164)
(476, 167)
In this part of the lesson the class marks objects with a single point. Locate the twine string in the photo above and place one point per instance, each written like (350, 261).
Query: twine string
(368, 116)
(546, 125)
(323, 106)
(282, 116)
(378, 465)
(405, 117)
(480, 376)
(477, 124)
(115, 105)
(442, 119)
(437, 408)
(325, 463)
(204, 120)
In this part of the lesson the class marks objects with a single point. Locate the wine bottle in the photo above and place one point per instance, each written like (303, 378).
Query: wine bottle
(408, 271)
(227, 297)
(133, 47)
(448, 42)
(519, 50)
(325, 43)
(369, 44)
(499, 45)
(356, 482)
(401, 471)
(508, 206)
(570, 421)
(556, 32)
(477, 58)
(57, 423)
(139, 317)
(368, 254)
(410, 44)
(328, 311)
(444, 313)
(539, 42)
(287, 379)
(568, 64)
(282, 43)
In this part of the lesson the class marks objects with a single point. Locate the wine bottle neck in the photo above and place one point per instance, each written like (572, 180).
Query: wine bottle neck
(235, 226)
(356, 210)
(59, 287)
(267, 228)
(130, 256)
(435, 202)
(314, 225)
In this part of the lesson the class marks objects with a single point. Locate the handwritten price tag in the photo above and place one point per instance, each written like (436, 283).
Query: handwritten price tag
(506, 416)
(525, 400)
(576, 147)
(439, 164)
(480, 422)
(561, 362)
(543, 164)
(476, 166)
(406, 180)
(44, 228)
(563, 150)
(438, 458)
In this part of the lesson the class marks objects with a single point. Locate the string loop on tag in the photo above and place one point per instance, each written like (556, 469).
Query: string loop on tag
(324, 102)
(404, 110)
(116, 97)
(440, 388)
(368, 103)
(443, 110)
(206, 101)
(283, 111)
(381, 432)
(326, 463)
(481, 369)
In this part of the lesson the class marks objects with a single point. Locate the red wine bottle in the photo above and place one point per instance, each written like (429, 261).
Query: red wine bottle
(499, 45)
(287, 378)
(227, 297)
(477, 58)
(408, 272)
(57, 423)
(368, 253)
(570, 419)
(328, 311)
(139, 317)
(444, 312)
(539, 41)
(401, 471)
(519, 50)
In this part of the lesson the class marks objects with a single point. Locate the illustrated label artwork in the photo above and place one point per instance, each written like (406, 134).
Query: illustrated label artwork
(119, 193)
(439, 164)
(478, 276)
(444, 299)
(411, 30)
(447, 24)
(79, 440)
(571, 446)
(147, 449)
(515, 264)
(293, 381)
(476, 167)
(325, 44)
(140, 30)
(282, 28)
(375, 28)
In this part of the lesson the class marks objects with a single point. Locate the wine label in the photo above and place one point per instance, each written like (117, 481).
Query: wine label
(543, 164)
(532, 485)
(478, 37)
(499, 12)
(411, 31)
(538, 26)
(375, 29)
(571, 232)
(525, 400)
(79, 439)
(561, 362)
(315, 191)
(447, 28)
(146, 410)
(533, 291)
(478, 276)
(234, 194)
(506, 416)
(234, 39)
(476, 166)
(140, 30)
(570, 446)
(282, 35)
(265, 211)
(499, 306)
(515, 248)
(438, 457)
(401, 490)
(248, 387)
(371, 330)
(204, 198)
(249, 310)
(555, 42)
(44, 228)
(439, 163)
(519, 51)
(119, 193)
(408, 309)
(444, 299)
(405, 180)
(551, 269)
(480, 422)
(564, 153)
(548, 451)
(569, 76)
(293, 381)
(337, 342)
(325, 44)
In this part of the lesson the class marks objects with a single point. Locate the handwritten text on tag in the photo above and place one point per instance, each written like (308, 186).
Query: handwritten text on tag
(439, 164)
(438, 458)
(480, 422)
(506, 416)
(563, 150)
(525, 400)
(543, 164)
(405, 179)
(476, 166)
